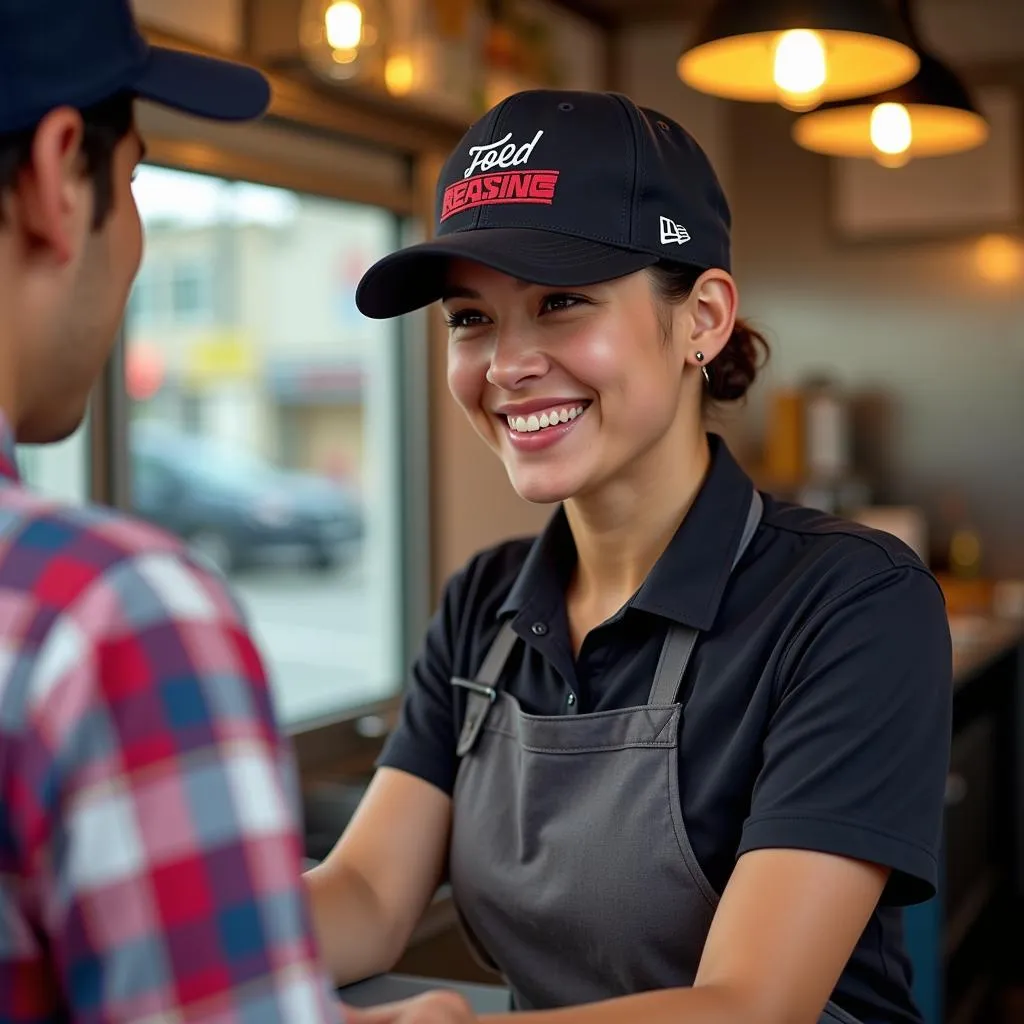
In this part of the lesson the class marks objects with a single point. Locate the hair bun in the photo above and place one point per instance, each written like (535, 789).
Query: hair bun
(735, 368)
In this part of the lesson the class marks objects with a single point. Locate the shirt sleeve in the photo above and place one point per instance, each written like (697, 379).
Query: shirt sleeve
(159, 809)
(857, 752)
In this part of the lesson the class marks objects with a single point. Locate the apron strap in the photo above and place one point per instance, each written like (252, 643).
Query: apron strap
(482, 692)
(497, 655)
(681, 640)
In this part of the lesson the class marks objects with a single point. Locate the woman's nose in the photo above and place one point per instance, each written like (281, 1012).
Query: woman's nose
(515, 360)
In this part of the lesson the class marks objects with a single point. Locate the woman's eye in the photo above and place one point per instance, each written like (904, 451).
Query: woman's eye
(464, 318)
(556, 303)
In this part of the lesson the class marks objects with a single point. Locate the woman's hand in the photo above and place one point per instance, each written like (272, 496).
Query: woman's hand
(432, 1008)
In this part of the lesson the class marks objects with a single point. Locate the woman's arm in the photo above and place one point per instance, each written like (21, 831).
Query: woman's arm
(371, 891)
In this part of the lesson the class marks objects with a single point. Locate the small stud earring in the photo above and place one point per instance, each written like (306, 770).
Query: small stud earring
(699, 356)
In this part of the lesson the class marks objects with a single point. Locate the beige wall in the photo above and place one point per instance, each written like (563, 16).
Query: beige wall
(215, 23)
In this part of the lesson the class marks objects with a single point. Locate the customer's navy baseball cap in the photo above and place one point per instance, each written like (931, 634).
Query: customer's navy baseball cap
(76, 53)
(562, 189)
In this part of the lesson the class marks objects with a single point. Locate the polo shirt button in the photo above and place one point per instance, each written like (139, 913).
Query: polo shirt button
(538, 629)
(572, 699)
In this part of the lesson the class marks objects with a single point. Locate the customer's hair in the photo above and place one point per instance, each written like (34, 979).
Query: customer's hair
(734, 369)
(106, 124)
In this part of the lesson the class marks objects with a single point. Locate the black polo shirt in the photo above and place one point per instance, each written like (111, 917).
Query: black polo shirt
(818, 702)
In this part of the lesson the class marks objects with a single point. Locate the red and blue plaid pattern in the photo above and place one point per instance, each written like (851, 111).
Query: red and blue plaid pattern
(150, 849)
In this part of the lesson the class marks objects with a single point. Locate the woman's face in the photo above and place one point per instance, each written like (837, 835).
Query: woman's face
(571, 387)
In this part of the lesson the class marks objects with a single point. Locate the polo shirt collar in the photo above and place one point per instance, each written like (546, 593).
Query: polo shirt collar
(688, 580)
(545, 575)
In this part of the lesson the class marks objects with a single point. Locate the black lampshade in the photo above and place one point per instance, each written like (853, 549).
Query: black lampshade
(864, 45)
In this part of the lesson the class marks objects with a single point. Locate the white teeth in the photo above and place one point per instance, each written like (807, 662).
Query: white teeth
(548, 418)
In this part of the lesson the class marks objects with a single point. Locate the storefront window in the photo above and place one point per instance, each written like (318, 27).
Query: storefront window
(265, 423)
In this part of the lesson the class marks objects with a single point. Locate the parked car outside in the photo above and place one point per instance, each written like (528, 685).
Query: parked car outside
(237, 509)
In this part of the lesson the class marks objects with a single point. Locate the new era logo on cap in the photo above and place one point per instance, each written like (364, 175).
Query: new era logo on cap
(673, 232)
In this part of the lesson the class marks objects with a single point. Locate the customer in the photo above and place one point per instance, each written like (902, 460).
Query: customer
(150, 852)
(682, 757)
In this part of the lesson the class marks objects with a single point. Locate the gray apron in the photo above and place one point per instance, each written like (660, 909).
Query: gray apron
(570, 864)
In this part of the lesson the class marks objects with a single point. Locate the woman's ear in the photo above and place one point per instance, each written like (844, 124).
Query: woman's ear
(713, 305)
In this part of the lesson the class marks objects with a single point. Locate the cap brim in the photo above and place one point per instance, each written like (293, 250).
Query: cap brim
(203, 86)
(415, 277)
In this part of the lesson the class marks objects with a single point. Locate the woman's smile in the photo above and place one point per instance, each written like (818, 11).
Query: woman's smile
(536, 426)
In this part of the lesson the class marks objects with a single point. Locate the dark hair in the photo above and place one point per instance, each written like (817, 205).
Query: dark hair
(106, 124)
(734, 369)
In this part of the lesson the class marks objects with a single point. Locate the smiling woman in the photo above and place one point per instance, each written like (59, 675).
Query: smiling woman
(646, 746)
(507, 333)
(518, 350)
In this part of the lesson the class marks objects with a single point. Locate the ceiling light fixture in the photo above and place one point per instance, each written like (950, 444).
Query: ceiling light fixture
(798, 52)
(931, 115)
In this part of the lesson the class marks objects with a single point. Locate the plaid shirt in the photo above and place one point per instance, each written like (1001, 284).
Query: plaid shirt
(150, 851)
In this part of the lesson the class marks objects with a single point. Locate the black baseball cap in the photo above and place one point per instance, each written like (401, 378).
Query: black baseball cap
(77, 53)
(563, 189)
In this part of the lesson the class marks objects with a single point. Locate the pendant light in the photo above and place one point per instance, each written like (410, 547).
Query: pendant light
(932, 115)
(345, 40)
(798, 53)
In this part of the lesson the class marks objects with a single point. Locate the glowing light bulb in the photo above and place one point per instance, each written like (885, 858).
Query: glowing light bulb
(799, 68)
(344, 24)
(891, 134)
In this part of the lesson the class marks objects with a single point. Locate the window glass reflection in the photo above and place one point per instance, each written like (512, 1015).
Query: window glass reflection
(266, 422)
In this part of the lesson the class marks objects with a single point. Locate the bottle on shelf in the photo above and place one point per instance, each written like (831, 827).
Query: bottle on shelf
(830, 481)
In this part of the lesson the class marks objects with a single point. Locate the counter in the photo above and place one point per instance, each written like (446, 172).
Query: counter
(956, 941)
(389, 988)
